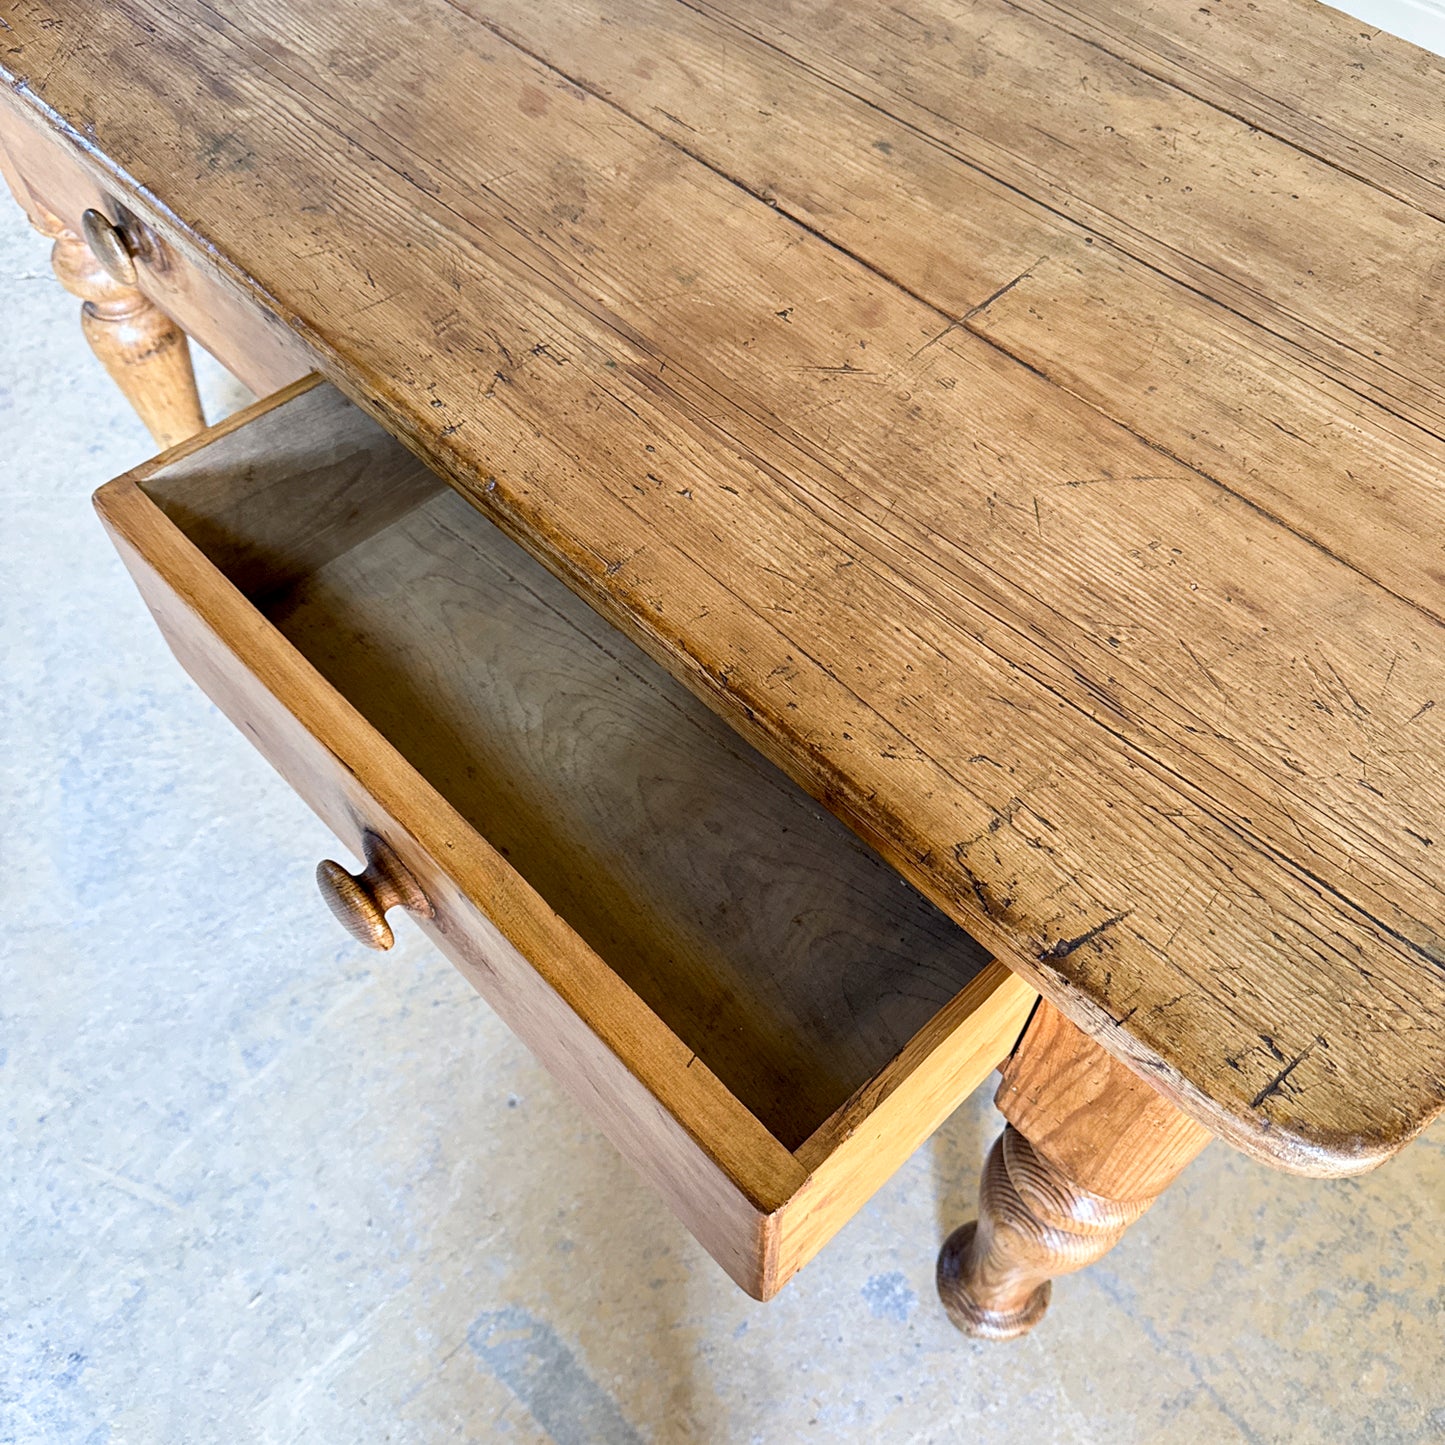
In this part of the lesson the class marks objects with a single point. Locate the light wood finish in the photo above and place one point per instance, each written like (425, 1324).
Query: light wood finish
(1101, 1124)
(755, 925)
(143, 350)
(761, 1015)
(856, 1151)
(54, 176)
(361, 901)
(1091, 268)
(1163, 734)
(311, 493)
(108, 246)
(1088, 1148)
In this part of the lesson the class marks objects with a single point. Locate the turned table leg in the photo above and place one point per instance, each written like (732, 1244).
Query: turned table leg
(145, 352)
(1088, 1148)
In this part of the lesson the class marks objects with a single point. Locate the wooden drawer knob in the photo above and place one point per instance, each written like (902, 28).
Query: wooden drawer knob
(108, 247)
(360, 900)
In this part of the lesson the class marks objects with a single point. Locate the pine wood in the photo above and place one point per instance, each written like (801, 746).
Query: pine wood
(56, 183)
(1157, 723)
(1101, 1124)
(361, 901)
(1087, 1149)
(143, 350)
(859, 1148)
(763, 1017)
(766, 935)
(759, 91)
(1261, 64)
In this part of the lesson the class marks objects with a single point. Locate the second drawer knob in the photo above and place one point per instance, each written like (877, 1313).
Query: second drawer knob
(360, 900)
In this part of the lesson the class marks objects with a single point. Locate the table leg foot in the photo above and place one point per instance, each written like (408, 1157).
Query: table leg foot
(957, 1267)
(1034, 1224)
(1089, 1147)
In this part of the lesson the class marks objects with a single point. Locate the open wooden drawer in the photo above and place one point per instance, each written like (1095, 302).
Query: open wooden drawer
(759, 1013)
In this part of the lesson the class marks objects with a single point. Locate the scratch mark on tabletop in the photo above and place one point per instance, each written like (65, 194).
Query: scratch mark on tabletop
(1278, 1082)
(1194, 658)
(1002, 290)
(1359, 707)
(1065, 946)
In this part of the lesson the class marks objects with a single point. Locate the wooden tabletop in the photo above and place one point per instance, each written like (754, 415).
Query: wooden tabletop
(1022, 419)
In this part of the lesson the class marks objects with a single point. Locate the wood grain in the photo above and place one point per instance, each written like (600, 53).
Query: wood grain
(995, 1274)
(361, 901)
(856, 1151)
(297, 489)
(645, 1074)
(1154, 747)
(1181, 186)
(1087, 1150)
(143, 351)
(1189, 369)
(1327, 83)
(1106, 1129)
(771, 941)
(49, 177)
(563, 1002)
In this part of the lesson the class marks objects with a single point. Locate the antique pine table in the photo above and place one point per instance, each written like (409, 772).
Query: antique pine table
(1019, 421)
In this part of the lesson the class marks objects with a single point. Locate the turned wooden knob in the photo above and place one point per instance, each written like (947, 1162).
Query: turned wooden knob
(360, 900)
(108, 247)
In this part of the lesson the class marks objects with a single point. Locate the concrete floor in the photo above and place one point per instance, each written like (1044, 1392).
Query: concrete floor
(259, 1184)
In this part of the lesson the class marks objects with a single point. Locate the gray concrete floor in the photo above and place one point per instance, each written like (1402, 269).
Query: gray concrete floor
(259, 1184)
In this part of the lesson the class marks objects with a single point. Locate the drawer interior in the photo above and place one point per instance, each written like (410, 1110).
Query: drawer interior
(785, 954)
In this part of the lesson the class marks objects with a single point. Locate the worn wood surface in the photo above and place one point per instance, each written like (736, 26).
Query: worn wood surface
(787, 954)
(144, 352)
(565, 866)
(303, 483)
(52, 181)
(715, 308)
(361, 901)
(1093, 269)
(1104, 1127)
(857, 1150)
(1087, 1149)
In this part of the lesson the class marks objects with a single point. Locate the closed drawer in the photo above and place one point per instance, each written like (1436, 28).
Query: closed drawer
(51, 178)
(761, 1015)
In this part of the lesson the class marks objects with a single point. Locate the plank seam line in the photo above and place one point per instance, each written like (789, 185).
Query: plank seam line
(942, 145)
(322, 345)
(965, 320)
(1144, 753)
(1058, 21)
